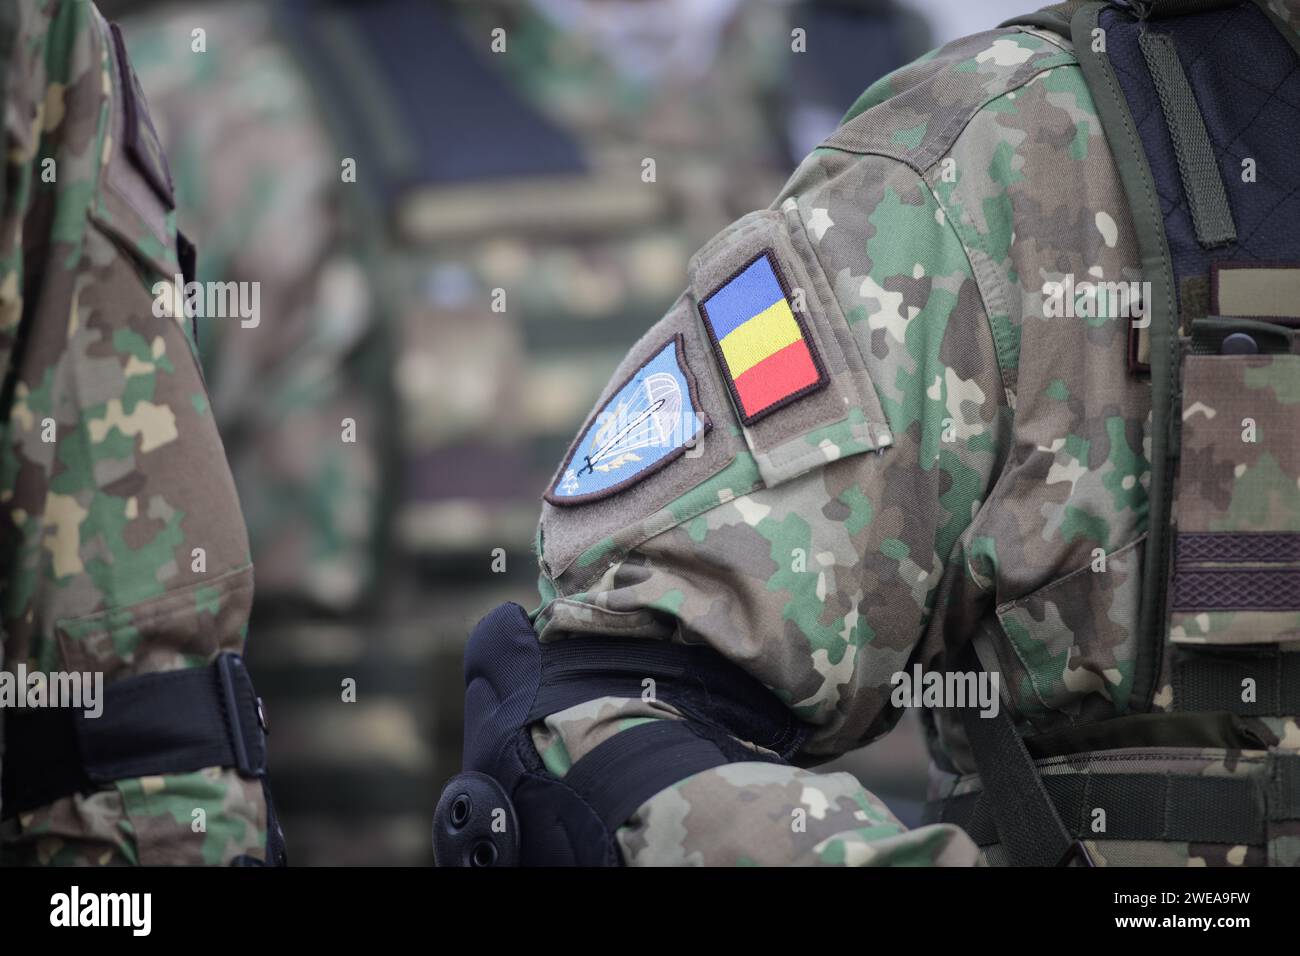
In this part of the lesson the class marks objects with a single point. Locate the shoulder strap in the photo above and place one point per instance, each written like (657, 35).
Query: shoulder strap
(1027, 821)
(1055, 18)
(1051, 17)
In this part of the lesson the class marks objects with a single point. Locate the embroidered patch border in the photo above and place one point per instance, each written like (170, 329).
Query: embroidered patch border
(703, 424)
(822, 380)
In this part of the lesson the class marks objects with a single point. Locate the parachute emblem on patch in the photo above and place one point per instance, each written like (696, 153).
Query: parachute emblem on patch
(648, 422)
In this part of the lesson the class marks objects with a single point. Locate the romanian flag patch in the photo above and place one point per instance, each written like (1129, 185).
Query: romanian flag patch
(763, 347)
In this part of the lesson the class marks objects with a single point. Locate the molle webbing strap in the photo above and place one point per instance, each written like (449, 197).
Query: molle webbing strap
(1197, 165)
(1201, 731)
(1248, 681)
(1161, 807)
(1149, 805)
(1245, 571)
(1244, 589)
(1284, 789)
(1280, 547)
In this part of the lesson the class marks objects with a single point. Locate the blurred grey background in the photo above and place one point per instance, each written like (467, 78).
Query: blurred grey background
(446, 205)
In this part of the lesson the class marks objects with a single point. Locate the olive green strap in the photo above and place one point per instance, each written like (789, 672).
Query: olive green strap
(1205, 730)
(1157, 268)
(1055, 18)
(1202, 184)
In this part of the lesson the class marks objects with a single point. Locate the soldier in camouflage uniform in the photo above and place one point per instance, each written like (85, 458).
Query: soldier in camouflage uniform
(911, 445)
(123, 548)
(462, 319)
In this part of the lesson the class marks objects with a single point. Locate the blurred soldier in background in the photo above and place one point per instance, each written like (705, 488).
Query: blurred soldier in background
(124, 565)
(460, 216)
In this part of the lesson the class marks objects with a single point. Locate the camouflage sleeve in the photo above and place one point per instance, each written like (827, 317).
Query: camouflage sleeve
(294, 377)
(815, 526)
(123, 547)
(808, 543)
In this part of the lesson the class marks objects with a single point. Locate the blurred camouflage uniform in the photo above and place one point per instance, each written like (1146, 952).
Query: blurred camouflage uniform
(963, 464)
(113, 470)
(379, 301)
(256, 181)
(585, 256)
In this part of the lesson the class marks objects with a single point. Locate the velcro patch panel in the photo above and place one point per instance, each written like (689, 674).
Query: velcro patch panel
(766, 355)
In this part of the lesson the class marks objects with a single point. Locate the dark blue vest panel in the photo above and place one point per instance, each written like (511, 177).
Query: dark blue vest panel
(1246, 80)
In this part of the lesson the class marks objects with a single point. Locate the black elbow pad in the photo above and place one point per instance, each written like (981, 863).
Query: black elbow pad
(506, 808)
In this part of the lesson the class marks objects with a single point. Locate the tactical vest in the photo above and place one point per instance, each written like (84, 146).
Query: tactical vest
(1197, 99)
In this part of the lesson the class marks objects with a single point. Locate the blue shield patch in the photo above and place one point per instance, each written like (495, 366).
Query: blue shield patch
(648, 422)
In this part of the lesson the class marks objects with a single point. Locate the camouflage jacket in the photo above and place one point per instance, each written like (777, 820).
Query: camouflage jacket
(958, 454)
(121, 538)
(257, 185)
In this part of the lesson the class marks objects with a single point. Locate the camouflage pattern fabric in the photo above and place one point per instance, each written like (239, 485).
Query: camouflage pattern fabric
(281, 387)
(123, 546)
(981, 457)
(1240, 476)
(483, 401)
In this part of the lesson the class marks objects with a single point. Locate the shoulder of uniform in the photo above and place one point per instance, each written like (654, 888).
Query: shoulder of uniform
(915, 114)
